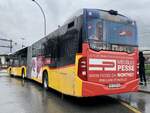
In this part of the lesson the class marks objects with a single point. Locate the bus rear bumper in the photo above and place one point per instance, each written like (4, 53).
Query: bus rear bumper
(95, 89)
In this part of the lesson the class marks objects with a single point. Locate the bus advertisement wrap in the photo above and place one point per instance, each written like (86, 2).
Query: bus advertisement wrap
(94, 53)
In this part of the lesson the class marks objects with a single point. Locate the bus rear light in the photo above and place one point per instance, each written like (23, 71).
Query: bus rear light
(83, 62)
(82, 68)
(137, 70)
(84, 73)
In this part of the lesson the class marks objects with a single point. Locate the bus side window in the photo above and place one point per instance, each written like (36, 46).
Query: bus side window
(33, 51)
(16, 62)
(68, 47)
(71, 25)
(49, 48)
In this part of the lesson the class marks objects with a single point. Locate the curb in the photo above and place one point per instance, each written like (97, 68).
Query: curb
(144, 91)
(127, 105)
(135, 110)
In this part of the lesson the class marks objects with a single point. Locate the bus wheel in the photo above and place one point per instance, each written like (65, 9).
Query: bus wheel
(10, 73)
(45, 80)
(23, 74)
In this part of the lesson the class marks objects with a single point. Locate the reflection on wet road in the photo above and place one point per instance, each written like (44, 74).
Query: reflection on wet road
(18, 96)
(138, 100)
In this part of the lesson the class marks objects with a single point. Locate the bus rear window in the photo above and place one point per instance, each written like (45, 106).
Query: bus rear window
(95, 30)
(106, 15)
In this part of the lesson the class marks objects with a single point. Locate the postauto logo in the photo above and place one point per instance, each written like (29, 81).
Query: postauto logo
(110, 65)
(102, 65)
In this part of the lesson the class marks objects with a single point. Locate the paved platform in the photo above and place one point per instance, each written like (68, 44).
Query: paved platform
(145, 89)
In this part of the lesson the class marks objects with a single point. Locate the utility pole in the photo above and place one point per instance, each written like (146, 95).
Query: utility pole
(7, 46)
(11, 46)
(44, 16)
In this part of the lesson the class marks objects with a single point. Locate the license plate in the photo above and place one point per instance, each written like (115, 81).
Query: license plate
(114, 85)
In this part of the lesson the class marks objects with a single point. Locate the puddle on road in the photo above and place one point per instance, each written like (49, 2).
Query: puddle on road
(137, 100)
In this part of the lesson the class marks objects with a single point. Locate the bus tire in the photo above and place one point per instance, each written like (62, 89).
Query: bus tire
(45, 80)
(23, 73)
(11, 75)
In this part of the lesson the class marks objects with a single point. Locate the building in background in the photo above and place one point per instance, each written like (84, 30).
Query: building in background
(3, 61)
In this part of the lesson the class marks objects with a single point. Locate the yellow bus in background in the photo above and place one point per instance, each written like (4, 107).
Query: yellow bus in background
(18, 63)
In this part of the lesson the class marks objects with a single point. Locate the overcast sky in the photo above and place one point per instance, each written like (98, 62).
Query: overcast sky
(23, 19)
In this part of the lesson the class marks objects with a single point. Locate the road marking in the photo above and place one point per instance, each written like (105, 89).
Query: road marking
(135, 110)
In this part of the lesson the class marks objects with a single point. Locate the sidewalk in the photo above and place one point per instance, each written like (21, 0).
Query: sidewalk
(145, 89)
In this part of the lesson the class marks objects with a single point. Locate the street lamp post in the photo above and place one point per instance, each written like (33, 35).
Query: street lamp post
(43, 16)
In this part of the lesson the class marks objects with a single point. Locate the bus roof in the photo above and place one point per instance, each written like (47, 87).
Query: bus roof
(20, 51)
(81, 12)
(78, 13)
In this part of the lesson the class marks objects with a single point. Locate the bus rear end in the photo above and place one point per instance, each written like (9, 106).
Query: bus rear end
(110, 54)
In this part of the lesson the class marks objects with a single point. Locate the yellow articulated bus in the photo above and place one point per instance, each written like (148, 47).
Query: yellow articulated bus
(18, 63)
(94, 53)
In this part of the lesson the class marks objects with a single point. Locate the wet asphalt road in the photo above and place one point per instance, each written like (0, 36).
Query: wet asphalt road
(19, 96)
(137, 100)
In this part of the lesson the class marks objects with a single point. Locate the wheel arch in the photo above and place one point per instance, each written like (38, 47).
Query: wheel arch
(10, 70)
(43, 74)
(47, 70)
(23, 69)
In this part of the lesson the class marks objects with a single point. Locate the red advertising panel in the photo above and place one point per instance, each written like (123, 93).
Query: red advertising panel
(111, 67)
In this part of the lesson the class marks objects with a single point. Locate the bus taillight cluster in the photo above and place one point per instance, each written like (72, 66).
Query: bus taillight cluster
(82, 68)
(138, 70)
